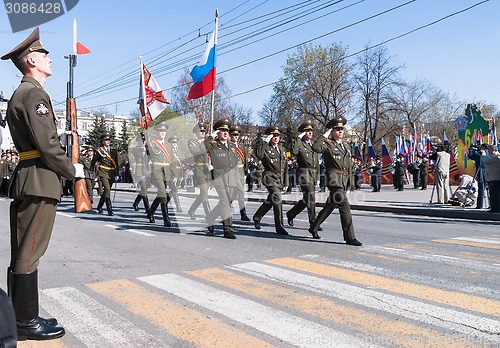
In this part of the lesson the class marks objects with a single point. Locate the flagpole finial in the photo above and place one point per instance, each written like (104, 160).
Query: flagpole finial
(216, 13)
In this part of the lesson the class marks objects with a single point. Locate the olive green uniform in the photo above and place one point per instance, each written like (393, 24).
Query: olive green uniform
(141, 173)
(202, 175)
(338, 180)
(36, 182)
(86, 161)
(225, 160)
(308, 169)
(275, 177)
(105, 163)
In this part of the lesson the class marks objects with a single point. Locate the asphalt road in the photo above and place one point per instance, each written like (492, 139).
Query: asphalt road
(119, 281)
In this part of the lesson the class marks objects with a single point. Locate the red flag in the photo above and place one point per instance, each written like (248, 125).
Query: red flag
(80, 49)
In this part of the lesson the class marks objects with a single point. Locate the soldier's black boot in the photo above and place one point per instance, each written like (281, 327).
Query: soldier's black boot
(109, 207)
(152, 209)
(164, 213)
(24, 296)
(10, 276)
(243, 214)
(100, 204)
(136, 202)
(145, 200)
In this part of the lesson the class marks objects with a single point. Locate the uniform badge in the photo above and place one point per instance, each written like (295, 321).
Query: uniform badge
(42, 109)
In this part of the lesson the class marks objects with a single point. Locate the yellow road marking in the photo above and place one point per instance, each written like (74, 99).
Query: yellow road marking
(398, 332)
(41, 344)
(473, 303)
(180, 321)
(464, 242)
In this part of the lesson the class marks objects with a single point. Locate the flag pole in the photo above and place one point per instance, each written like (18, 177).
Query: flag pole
(213, 91)
(143, 92)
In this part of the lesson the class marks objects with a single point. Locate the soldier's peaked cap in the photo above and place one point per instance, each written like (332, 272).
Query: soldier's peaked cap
(30, 44)
(338, 122)
(235, 130)
(223, 124)
(105, 135)
(273, 130)
(161, 127)
(200, 127)
(173, 139)
(306, 126)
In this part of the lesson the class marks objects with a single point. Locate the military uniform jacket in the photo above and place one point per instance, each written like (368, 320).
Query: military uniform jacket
(32, 124)
(225, 160)
(140, 162)
(275, 164)
(307, 160)
(176, 166)
(87, 162)
(161, 160)
(108, 162)
(338, 163)
(201, 160)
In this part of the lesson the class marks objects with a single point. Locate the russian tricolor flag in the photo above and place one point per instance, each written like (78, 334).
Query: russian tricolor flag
(203, 73)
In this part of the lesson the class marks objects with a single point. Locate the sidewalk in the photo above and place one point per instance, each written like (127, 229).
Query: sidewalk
(410, 201)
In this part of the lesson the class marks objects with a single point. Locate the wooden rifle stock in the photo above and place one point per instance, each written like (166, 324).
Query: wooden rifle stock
(82, 200)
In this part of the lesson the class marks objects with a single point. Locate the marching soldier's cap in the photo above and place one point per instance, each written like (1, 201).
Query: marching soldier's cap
(173, 139)
(338, 122)
(105, 136)
(200, 127)
(223, 124)
(161, 127)
(401, 155)
(30, 44)
(306, 126)
(235, 130)
(273, 130)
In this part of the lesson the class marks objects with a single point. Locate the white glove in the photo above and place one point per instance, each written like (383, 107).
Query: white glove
(79, 173)
(268, 138)
(327, 133)
(302, 134)
(214, 133)
(144, 179)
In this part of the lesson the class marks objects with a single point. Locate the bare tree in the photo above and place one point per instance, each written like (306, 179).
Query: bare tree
(375, 78)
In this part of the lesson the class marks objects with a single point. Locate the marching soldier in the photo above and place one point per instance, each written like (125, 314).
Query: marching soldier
(275, 177)
(225, 159)
(424, 172)
(106, 162)
(161, 174)
(141, 172)
(338, 179)
(202, 174)
(35, 185)
(308, 168)
(239, 190)
(86, 161)
(177, 173)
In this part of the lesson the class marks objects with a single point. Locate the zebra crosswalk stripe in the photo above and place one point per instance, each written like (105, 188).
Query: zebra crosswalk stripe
(289, 328)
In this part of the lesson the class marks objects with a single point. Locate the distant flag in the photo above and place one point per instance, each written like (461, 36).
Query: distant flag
(151, 99)
(494, 139)
(204, 72)
(357, 152)
(422, 144)
(445, 140)
(428, 144)
(78, 48)
(386, 162)
(371, 151)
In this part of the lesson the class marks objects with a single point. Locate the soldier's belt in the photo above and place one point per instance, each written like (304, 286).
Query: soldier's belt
(27, 155)
(200, 164)
(161, 163)
(240, 166)
(105, 167)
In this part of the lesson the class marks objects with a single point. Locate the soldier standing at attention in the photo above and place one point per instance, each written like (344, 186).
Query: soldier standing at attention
(275, 177)
(202, 175)
(308, 168)
(35, 185)
(338, 176)
(239, 190)
(225, 159)
(106, 160)
(161, 173)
